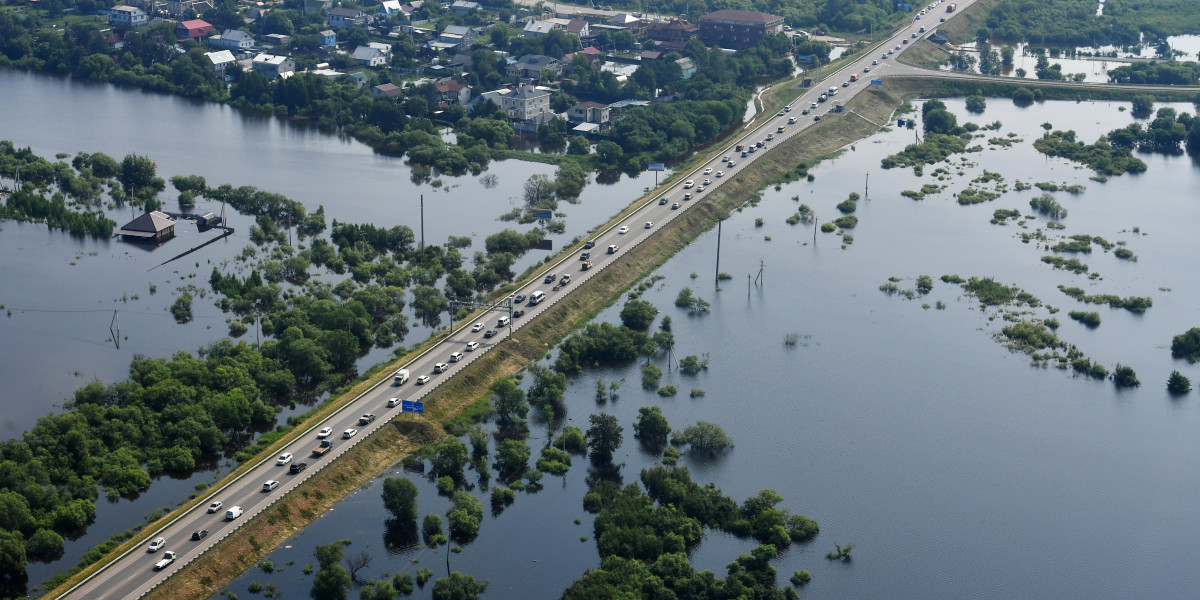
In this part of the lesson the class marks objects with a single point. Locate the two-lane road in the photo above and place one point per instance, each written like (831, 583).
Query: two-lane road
(132, 575)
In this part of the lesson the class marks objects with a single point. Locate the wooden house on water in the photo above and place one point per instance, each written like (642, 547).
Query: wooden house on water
(152, 227)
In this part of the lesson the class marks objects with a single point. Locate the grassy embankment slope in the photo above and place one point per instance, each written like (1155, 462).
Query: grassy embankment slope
(468, 389)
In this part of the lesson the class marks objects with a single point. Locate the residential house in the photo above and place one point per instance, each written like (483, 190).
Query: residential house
(312, 7)
(272, 66)
(625, 20)
(347, 17)
(153, 227)
(277, 39)
(579, 28)
(531, 66)
(464, 6)
(536, 29)
(219, 61)
(374, 54)
(179, 8)
(256, 19)
(129, 16)
(594, 57)
(452, 92)
(389, 8)
(454, 38)
(738, 29)
(232, 39)
(672, 35)
(527, 106)
(112, 38)
(387, 90)
(687, 68)
(589, 112)
(495, 96)
(328, 38)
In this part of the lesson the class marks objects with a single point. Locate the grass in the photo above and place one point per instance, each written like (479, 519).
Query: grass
(244, 548)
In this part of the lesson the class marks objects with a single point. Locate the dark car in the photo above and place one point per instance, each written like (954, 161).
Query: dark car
(297, 467)
(519, 298)
(589, 244)
(662, 201)
(550, 278)
(518, 313)
(585, 256)
(199, 534)
(489, 333)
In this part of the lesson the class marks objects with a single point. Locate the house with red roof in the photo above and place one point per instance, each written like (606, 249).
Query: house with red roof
(193, 30)
(451, 91)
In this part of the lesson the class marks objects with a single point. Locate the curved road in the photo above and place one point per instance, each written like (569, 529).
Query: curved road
(132, 575)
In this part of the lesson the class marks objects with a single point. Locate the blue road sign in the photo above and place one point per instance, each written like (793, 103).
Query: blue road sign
(876, 82)
(419, 407)
(656, 167)
(406, 405)
(543, 214)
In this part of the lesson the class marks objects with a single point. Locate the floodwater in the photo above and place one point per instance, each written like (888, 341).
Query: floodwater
(64, 297)
(1093, 68)
(955, 467)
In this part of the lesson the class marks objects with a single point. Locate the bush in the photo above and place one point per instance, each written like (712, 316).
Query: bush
(703, 436)
(1177, 383)
(1124, 376)
(801, 578)
(1187, 345)
(692, 364)
(828, 228)
(847, 206)
(1047, 205)
(651, 374)
(667, 391)
(847, 222)
(1091, 319)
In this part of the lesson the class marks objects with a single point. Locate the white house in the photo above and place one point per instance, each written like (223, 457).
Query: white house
(374, 54)
(232, 39)
(535, 29)
(273, 66)
(219, 60)
(129, 16)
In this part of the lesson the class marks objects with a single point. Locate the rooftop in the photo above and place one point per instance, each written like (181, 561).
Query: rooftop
(147, 225)
(744, 16)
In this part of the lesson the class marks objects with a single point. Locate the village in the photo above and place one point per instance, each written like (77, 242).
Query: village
(391, 50)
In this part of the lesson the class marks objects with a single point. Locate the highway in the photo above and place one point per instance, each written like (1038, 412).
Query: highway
(133, 574)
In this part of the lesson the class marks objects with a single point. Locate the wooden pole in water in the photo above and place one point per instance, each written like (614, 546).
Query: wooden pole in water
(717, 273)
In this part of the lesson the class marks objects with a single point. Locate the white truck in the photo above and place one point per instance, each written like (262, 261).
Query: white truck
(233, 513)
(167, 559)
(400, 377)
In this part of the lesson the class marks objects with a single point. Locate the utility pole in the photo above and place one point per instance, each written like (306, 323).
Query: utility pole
(717, 274)
(867, 188)
(759, 280)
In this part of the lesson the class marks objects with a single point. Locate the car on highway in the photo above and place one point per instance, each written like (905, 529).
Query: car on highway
(896, 49)
(471, 346)
(943, 20)
(687, 196)
(662, 201)
(156, 545)
(689, 183)
(297, 467)
(549, 278)
(215, 506)
(817, 118)
(324, 433)
(787, 109)
(199, 534)
(167, 559)
(623, 230)
(394, 402)
(424, 379)
(883, 57)
(565, 279)
(804, 112)
(708, 171)
(456, 356)
(732, 164)
(491, 333)
(906, 41)
(349, 433)
(441, 368)
(612, 249)
(588, 245)
(675, 206)
(792, 120)
(780, 114)
(519, 298)
(725, 159)
(477, 327)
(814, 105)
(270, 485)
(649, 224)
(587, 255)
(874, 62)
(366, 419)
(866, 69)
(719, 173)
(699, 189)
(707, 181)
(521, 313)
(284, 459)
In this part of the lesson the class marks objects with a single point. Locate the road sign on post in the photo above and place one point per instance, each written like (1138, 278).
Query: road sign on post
(656, 167)
(419, 407)
(406, 405)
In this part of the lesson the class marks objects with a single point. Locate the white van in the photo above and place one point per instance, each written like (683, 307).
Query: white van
(502, 322)
(536, 297)
(233, 513)
(400, 377)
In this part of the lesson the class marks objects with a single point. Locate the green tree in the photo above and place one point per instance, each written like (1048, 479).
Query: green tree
(1142, 106)
(332, 581)
(1177, 383)
(976, 104)
(509, 402)
(465, 514)
(1187, 345)
(604, 437)
(703, 436)
(400, 498)
(940, 121)
(1124, 376)
(139, 176)
(638, 314)
(458, 587)
(45, 546)
(12, 554)
(651, 424)
(449, 459)
(512, 457)
(577, 145)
